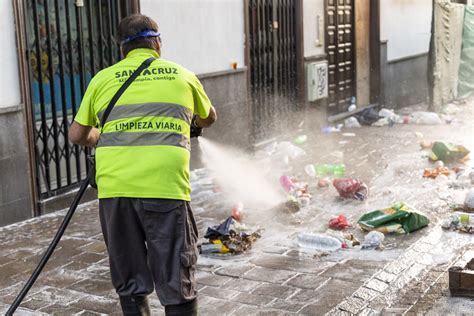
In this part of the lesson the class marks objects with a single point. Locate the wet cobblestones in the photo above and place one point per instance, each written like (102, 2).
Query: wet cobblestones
(276, 277)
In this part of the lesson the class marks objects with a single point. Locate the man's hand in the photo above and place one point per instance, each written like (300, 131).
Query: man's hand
(83, 135)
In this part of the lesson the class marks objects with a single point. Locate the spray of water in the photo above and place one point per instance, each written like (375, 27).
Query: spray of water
(240, 178)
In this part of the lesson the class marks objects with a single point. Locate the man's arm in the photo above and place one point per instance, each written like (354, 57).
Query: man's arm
(207, 122)
(83, 135)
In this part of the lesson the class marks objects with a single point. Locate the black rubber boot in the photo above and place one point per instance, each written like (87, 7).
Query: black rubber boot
(135, 305)
(186, 309)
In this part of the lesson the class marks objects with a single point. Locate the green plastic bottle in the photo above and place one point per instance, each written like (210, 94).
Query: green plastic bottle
(337, 170)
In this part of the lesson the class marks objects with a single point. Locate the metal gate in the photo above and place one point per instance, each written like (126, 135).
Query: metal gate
(66, 43)
(341, 53)
(272, 60)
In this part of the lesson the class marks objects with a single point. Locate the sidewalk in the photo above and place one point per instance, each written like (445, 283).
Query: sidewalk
(276, 277)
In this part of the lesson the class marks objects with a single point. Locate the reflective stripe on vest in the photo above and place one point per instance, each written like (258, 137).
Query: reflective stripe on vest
(150, 109)
(149, 138)
(143, 139)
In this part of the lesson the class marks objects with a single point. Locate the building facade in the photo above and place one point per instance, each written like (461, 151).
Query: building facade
(262, 62)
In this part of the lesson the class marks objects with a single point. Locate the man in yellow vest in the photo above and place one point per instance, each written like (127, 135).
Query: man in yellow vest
(142, 161)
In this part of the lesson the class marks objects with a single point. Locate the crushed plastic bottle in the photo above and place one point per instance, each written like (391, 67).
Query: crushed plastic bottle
(319, 242)
(286, 183)
(373, 240)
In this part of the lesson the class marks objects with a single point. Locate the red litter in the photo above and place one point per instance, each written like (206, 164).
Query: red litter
(351, 188)
(339, 222)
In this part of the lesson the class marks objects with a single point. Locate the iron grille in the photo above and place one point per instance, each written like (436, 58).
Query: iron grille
(272, 62)
(66, 45)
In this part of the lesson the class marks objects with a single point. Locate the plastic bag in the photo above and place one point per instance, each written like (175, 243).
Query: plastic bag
(368, 116)
(351, 188)
(448, 152)
(396, 219)
(351, 122)
(426, 118)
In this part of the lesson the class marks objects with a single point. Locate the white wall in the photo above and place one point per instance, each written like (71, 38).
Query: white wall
(406, 24)
(313, 44)
(9, 79)
(202, 35)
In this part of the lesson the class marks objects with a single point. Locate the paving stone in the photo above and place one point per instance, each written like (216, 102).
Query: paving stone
(269, 275)
(366, 294)
(97, 288)
(60, 310)
(308, 281)
(353, 305)
(280, 262)
(213, 306)
(353, 270)
(376, 285)
(385, 276)
(274, 290)
(242, 285)
(88, 257)
(95, 247)
(285, 305)
(98, 304)
(248, 310)
(252, 299)
(306, 296)
(368, 312)
(207, 278)
(275, 250)
(234, 271)
(218, 292)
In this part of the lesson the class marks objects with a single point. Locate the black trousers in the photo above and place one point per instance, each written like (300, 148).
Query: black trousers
(152, 244)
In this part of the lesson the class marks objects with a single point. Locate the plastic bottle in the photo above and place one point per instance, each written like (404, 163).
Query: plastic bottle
(318, 241)
(338, 170)
(353, 105)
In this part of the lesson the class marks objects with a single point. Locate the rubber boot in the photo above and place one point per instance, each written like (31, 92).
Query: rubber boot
(135, 305)
(186, 309)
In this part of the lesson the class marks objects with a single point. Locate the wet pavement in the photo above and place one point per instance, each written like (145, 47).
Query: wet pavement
(277, 277)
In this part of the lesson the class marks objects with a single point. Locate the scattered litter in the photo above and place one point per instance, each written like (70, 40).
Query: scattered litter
(391, 115)
(339, 222)
(353, 105)
(237, 211)
(448, 152)
(351, 122)
(469, 201)
(426, 145)
(321, 242)
(323, 183)
(384, 121)
(337, 170)
(368, 116)
(351, 188)
(373, 240)
(435, 172)
(332, 129)
(460, 221)
(426, 118)
(301, 139)
(290, 206)
(350, 240)
(399, 219)
(231, 236)
(296, 189)
(348, 134)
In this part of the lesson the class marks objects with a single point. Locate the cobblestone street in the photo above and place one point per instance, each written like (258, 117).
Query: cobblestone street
(276, 277)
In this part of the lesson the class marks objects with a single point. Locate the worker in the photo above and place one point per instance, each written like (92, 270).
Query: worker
(142, 170)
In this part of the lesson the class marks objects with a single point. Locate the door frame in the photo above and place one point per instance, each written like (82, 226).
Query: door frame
(376, 95)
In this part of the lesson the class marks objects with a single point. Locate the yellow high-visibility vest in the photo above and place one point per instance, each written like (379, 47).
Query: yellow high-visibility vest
(144, 147)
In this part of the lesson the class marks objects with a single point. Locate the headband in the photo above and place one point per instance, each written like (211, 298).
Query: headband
(147, 33)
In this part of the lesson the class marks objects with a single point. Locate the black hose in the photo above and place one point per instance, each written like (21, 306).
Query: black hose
(51, 247)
